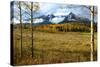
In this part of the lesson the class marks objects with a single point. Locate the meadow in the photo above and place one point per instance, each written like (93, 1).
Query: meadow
(52, 47)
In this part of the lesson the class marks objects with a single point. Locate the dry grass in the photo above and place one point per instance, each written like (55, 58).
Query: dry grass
(60, 47)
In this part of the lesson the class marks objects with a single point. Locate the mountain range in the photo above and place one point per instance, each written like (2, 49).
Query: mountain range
(71, 17)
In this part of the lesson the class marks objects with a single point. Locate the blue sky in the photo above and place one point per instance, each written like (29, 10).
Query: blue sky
(56, 9)
(47, 8)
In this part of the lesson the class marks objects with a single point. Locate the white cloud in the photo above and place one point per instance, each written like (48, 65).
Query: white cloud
(57, 19)
(61, 11)
(60, 14)
(38, 21)
(48, 8)
(15, 21)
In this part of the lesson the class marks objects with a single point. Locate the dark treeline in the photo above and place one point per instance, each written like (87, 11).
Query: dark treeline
(66, 27)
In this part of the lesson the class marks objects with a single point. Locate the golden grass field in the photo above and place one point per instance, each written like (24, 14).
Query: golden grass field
(60, 47)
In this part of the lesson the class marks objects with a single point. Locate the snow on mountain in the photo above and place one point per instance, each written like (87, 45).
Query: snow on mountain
(61, 18)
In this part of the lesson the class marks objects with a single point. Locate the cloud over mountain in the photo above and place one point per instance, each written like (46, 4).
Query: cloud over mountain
(53, 12)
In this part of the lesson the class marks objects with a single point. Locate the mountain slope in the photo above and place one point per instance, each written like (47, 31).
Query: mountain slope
(71, 17)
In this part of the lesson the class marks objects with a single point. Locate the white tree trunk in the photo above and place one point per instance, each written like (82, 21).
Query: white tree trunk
(92, 32)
